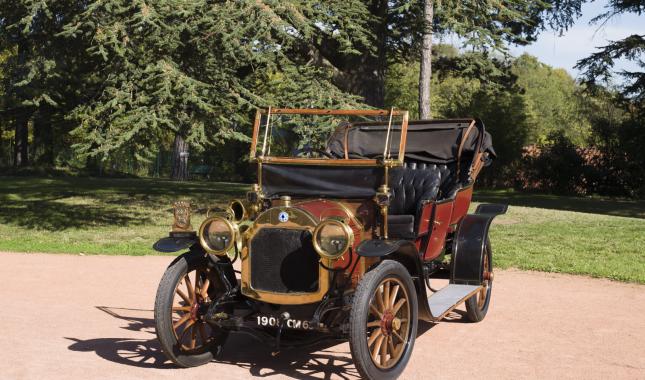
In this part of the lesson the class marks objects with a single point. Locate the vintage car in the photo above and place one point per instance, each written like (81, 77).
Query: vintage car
(339, 239)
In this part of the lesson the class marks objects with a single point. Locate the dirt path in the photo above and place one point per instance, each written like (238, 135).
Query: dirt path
(90, 317)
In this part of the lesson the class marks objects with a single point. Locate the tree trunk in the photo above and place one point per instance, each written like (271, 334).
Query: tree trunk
(21, 140)
(43, 137)
(180, 159)
(425, 73)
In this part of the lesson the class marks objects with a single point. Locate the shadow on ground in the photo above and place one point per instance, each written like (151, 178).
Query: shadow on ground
(63, 203)
(315, 362)
(593, 205)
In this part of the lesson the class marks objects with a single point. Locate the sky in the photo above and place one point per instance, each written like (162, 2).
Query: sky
(581, 39)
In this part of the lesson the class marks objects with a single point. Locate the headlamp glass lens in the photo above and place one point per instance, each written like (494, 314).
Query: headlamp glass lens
(218, 235)
(332, 239)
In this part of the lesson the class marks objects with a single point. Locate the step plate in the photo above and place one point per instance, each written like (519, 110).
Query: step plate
(449, 297)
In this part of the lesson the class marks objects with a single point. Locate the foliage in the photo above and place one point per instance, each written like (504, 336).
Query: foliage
(599, 66)
(169, 67)
(554, 101)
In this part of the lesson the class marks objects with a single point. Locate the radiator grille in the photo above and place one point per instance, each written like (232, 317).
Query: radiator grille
(284, 261)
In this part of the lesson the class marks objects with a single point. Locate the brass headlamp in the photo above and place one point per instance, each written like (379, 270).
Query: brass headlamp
(218, 235)
(332, 238)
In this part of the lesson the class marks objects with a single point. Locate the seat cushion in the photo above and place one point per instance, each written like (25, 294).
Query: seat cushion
(401, 226)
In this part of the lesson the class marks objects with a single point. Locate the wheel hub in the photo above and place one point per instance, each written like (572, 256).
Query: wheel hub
(389, 323)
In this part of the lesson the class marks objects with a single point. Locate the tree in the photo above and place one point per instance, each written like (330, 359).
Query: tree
(425, 71)
(553, 98)
(38, 72)
(599, 66)
(484, 25)
(195, 71)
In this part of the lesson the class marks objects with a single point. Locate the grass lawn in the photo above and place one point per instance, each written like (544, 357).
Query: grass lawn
(591, 236)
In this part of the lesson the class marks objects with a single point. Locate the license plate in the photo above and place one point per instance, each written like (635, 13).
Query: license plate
(270, 321)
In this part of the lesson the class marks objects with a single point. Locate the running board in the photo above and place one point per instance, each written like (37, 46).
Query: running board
(448, 298)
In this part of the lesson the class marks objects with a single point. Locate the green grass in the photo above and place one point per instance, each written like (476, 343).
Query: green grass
(98, 216)
(590, 236)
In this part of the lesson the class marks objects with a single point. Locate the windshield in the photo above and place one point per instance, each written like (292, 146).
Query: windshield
(284, 134)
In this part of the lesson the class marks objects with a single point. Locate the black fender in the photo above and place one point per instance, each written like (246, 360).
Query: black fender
(406, 253)
(221, 264)
(470, 243)
(174, 244)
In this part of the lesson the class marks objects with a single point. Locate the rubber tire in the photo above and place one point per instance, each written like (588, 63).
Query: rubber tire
(358, 320)
(473, 312)
(163, 318)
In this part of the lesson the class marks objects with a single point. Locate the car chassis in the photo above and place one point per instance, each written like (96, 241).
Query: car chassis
(336, 243)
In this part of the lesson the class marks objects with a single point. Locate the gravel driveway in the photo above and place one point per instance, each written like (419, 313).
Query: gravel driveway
(90, 317)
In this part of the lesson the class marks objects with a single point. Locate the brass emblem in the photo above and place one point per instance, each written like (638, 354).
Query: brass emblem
(181, 214)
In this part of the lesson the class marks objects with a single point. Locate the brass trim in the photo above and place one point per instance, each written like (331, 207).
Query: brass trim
(268, 219)
(349, 234)
(245, 210)
(266, 131)
(233, 228)
(256, 132)
(312, 111)
(320, 161)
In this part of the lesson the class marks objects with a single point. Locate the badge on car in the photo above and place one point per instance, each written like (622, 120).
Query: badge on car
(283, 216)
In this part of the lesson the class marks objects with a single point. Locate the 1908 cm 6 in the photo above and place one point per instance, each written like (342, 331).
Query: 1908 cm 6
(291, 323)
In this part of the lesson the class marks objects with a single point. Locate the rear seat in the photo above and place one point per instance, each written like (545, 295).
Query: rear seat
(412, 184)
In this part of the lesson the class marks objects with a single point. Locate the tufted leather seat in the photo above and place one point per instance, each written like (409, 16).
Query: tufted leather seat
(412, 184)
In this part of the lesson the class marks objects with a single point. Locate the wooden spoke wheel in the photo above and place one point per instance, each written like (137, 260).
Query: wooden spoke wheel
(190, 302)
(184, 295)
(389, 320)
(383, 321)
(477, 305)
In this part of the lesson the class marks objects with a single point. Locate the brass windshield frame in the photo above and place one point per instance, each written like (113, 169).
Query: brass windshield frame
(266, 158)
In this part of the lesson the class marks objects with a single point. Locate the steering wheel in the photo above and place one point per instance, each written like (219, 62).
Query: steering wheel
(306, 152)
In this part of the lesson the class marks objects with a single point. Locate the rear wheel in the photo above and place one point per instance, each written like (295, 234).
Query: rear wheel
(383, 321)
(185, 291)
(477, 305)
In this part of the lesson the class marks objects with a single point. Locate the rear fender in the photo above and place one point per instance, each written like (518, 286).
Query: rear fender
(469, 244)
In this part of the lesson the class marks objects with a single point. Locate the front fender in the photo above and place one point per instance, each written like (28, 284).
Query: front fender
(174, 244)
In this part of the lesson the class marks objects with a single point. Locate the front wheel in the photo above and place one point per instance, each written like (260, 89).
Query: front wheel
(184, 294)
(383, 321)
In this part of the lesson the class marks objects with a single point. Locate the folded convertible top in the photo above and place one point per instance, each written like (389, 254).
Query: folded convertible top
(430, 141)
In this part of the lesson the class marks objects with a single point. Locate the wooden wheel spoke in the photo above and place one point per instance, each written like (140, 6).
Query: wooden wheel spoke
(377, 347)
(181, 308)
(181, 321)
(398, 305)
(374, 324)
(189, 287)
(396, 334)
(390, 346)
(384, 351)
(395, 292)
(386, 295)
(376, 312)
(183, 333)
(183, 296)
(379, 300)
(193, 337)
(375, 335)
